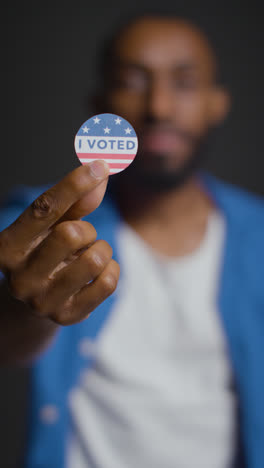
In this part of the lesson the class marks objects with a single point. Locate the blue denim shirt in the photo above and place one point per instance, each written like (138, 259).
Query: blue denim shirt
(241, 309)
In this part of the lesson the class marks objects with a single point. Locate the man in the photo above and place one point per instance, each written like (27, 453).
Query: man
(148, 379)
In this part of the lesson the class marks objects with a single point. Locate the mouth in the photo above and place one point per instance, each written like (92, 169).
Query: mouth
(157, 141)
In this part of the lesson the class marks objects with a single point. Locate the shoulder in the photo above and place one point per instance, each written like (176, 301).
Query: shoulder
(236, 202)
(244, 212)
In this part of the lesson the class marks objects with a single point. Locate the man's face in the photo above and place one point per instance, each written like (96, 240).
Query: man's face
(162, 82)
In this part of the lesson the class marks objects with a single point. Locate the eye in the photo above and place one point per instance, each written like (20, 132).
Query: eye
(187, 82)
(133, 80)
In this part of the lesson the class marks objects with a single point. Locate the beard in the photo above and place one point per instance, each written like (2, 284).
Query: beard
(150, 172)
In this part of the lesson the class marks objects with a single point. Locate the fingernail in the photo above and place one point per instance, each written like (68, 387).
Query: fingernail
(99, 169)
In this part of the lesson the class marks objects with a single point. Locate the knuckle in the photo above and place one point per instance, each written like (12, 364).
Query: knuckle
(94, 262)
(90, 230)
(62, 318)
(58, 319)
(17, 286)
(79, 180)
(105, 248)
(44, 206)
(115, 269)
(36, 303)
(69, 232)
(15, 259)
(108, 284)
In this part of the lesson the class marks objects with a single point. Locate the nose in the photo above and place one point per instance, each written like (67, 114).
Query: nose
(159, 101)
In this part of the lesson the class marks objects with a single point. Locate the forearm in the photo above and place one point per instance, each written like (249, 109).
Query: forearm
(23, 336)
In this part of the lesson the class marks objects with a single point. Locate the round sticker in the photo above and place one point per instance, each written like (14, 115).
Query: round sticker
(108, 137)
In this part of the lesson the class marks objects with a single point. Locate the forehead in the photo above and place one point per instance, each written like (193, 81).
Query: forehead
(162, 43)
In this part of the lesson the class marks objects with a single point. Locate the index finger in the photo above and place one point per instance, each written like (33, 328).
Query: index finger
(51, 205)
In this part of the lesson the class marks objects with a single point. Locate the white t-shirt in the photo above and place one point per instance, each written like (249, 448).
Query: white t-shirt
(159, 393)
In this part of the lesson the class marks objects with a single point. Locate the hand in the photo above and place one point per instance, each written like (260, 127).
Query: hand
(51, 258)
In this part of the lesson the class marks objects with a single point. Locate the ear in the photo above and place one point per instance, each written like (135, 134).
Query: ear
(220, 105)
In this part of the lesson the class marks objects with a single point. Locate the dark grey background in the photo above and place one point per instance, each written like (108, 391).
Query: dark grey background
(49, 52)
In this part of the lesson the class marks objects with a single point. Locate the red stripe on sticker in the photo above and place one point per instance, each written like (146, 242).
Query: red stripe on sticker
(105, 156)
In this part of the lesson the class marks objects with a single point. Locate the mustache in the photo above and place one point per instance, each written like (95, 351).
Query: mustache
(166, 127)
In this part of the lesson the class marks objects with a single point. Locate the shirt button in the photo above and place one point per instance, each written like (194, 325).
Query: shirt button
(86, 347)
(49, 414)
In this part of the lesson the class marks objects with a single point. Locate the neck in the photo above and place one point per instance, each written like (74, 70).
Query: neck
(140, 205)
(173, 222)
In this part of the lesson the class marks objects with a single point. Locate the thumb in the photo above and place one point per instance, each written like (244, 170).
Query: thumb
(87, 203)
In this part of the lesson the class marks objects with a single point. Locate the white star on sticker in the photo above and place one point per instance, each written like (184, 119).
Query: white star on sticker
(96, 120)
(118, 121)
(85, 129)
(107, 130)
(128, 130)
